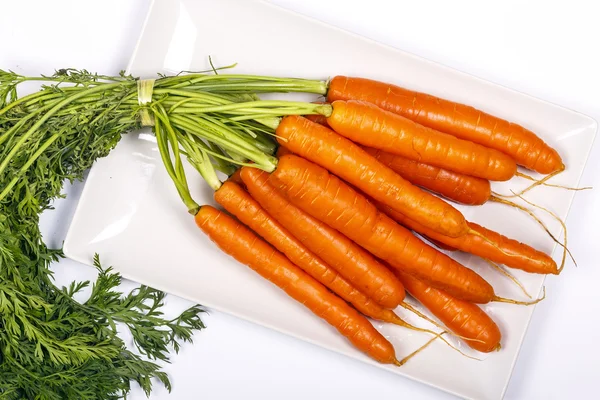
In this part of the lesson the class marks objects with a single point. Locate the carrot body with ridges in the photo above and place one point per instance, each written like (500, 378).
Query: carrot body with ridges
(351, 163)
(438, 244)
(317, 119)
(371, 126)
(235, 177)
(494, 247)
(352, 262)
(242, 244)
(460, 120)
(239, 203)
(327, 198)
(461, 317)
(452, 185)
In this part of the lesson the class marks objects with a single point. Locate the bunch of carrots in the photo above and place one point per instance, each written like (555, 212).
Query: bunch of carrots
(333, 222)
(329, 201)
(346, 204)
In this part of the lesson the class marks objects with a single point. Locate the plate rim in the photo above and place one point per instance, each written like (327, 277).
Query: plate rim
(593, 124)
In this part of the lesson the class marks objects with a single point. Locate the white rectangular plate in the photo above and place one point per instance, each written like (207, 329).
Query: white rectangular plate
(130, 212)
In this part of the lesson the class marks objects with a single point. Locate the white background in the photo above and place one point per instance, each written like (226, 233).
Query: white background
(545, 48)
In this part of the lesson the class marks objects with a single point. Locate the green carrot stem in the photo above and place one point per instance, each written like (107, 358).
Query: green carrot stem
(221, 105)
(165, 155)
(37, 99)
(200, 160)
(188, 94)
(46, 116)
(238, 158)
(33, 97)
(28, 164)
(187, 101)
(172, 138)
(222, 156)
(268, 121)
(246, 135)
(22, 121)
(261, 140)
(249, 83)
(221, 164)
(222, 137)
(269, 107)
(218, 127)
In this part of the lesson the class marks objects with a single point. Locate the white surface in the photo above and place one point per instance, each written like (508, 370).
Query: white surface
(131, 214)
(233, 358)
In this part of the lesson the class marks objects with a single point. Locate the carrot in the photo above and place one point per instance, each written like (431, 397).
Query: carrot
(242, 244)
(494, 247)
(452, 185)
(369, 125)
(460, 120)
(479, 235)
(317, 119)
(455, 186)
(257, 182)
(282, 151)
(325, 197)
(353, 263)
(351, 163)
(235, 177)
(460, 188)
(465, 319)
(239, 203)
(496, 244)
(438, 244)
(284, 241)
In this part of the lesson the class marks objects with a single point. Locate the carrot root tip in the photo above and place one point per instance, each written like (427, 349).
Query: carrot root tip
(414, 353)
(498, 199)
(491, 242)
(438, 325)
(564, 227)
(543, 182)
(508, 275)
(401, 322)
(521, 303)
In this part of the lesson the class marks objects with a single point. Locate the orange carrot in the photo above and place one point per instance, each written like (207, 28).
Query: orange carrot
(235, 177)
(352, 262)
(327, 198)
(494, 247)
(461, 317)
(317, 119)
(371, 126)
(437, 243)
(460, 188)
(242, 244)
(351, 163)
(481, 241)
(452, 185)
(239, 203)
(282, 151)
(460, 120)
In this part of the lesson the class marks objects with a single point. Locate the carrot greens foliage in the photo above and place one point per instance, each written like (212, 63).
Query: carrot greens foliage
(52, 346)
